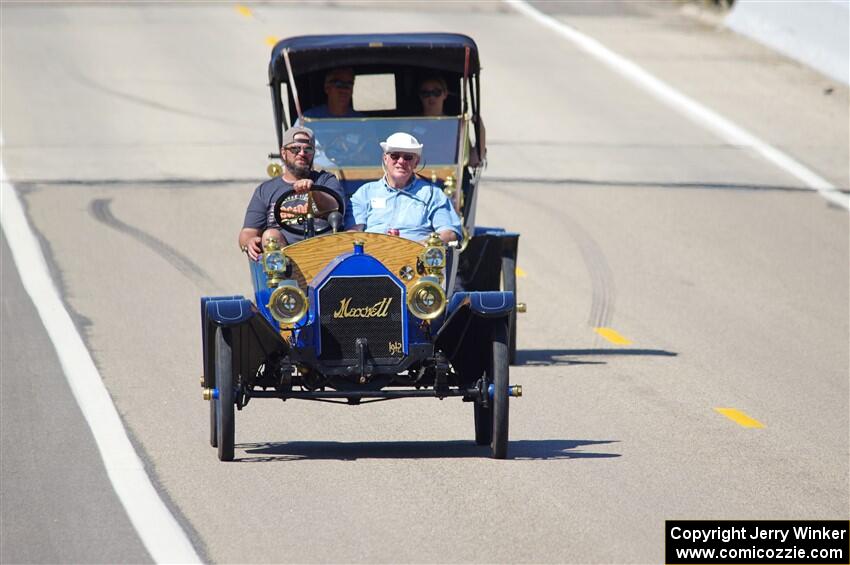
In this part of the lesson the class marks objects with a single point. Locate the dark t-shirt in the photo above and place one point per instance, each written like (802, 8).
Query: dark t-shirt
(260, 212)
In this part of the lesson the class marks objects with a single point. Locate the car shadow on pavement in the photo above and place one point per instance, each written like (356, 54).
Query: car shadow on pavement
(537, 357)
(526, 449)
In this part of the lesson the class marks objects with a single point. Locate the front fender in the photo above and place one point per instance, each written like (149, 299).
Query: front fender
(490, 304)
(252, 338)
(480, 266)
(466, 336)
(228, 310)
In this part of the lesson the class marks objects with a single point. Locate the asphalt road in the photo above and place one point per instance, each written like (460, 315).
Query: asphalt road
(136, 133)
(58, 505)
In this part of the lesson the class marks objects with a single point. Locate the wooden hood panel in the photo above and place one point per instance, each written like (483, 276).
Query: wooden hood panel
(310, 256)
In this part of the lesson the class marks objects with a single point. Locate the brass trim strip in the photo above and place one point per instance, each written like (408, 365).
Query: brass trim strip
(388, 118)
(374, 173)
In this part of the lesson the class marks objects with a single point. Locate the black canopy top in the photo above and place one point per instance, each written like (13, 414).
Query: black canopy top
(310, 53)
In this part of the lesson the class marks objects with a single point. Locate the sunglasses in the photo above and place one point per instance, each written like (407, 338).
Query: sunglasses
(402, 156)
(296, 149)
(429, 93)
(343, 84)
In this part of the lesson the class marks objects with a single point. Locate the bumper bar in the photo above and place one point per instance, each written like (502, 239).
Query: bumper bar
(471, 393)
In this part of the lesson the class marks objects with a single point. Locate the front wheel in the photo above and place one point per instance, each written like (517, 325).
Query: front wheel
(499, 377)
(213, 424)
(224, 408)
(509, 284)
(483, 423)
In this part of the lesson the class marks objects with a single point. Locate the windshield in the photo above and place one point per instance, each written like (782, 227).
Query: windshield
(354, 142)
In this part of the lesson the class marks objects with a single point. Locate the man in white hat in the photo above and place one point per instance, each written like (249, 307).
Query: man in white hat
(401, 203)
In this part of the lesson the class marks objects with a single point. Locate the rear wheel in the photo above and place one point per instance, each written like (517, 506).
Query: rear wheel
(509, 285)
(499, 376)
(213, 424)
(224, 409)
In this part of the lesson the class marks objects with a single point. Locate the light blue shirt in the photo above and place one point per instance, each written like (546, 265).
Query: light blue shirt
(416, 211)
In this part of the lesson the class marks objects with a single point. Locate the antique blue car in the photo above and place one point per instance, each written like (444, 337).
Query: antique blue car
(357, 317)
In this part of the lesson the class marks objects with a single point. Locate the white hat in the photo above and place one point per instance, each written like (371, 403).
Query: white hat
(400, 141)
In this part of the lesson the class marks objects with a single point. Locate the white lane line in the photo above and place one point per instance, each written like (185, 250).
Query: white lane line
(700, 114)
(159, 531)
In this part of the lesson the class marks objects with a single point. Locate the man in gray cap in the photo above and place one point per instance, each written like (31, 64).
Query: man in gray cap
(298, 150)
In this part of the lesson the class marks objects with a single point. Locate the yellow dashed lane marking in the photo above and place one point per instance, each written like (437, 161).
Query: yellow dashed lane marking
(271, 40)
(244, 10)
(520, 273)
(613, 336)
(740, 418)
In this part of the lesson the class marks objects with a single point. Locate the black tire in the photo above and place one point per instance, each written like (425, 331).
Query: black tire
(224, 407)
(213, 425)
(483, 423)
(499, 374)
(509, 284)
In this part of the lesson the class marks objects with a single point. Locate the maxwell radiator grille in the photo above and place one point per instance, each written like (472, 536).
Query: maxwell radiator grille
(361, 307)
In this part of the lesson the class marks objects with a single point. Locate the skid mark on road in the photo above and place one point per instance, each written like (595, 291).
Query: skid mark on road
(603, 291)
(99, 208)
(601, 277)
(86, 81)
(740, 418)
(162, 535)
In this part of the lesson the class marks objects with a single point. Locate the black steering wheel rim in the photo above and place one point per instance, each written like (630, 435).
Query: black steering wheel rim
(301, 228)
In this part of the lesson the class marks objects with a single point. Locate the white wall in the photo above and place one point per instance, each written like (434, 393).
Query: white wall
(814, 32)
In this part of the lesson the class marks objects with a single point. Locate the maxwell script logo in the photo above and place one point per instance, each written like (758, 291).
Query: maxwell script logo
(379, 310)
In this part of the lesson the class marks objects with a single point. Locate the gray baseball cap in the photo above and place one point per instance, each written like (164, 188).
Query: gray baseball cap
(289, 135)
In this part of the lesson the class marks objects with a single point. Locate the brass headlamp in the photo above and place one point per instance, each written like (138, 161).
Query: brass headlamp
(288, 303)
(426, 298)
(274, 262)
(433, 257)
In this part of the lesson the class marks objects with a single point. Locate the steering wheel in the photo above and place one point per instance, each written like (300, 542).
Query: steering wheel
(312, 222)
